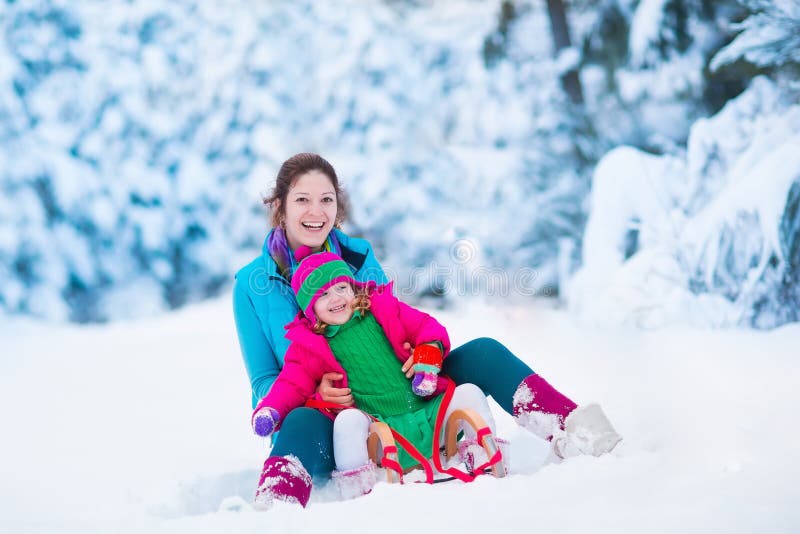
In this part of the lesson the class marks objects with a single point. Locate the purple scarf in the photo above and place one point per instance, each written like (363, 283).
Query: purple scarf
(286, 259)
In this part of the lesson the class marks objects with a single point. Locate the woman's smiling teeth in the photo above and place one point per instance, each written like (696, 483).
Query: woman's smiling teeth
(313, 226)
(336, 309)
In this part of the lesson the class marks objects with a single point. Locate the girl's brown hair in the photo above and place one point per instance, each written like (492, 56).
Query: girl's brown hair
(360, 304)
(290, 171)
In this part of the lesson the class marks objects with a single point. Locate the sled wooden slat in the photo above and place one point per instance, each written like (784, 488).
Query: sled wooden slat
(473, 419)
(379, 439)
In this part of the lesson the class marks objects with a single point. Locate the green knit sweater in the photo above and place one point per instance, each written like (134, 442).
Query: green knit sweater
(379, 385)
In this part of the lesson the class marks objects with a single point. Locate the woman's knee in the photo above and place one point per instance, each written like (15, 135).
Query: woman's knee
(481, 349)
(474, 358)
(488, 343)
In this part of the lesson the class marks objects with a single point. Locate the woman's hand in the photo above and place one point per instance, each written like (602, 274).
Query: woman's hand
(331, 394)
(408, 367)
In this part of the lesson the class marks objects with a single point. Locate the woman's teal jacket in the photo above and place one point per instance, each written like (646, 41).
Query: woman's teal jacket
(263, 303)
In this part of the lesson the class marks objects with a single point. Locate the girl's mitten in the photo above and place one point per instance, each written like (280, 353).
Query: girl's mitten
(427, 364)
(265, 421)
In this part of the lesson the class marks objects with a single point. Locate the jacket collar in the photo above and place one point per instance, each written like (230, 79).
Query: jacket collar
(354, 258)
(300, 331)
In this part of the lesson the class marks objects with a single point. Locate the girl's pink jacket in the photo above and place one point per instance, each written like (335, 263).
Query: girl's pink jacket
(309, 356)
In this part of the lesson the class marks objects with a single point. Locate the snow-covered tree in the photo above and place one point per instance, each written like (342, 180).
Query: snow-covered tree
(718, 228)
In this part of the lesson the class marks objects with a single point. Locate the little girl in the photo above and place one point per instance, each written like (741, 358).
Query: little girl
(359, 330)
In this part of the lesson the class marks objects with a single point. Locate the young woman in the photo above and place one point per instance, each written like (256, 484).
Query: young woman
(307, 207)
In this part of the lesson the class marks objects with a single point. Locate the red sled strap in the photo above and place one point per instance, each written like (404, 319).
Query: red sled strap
(496, 457)
(388, 463)
(414, 453)
(324, 405)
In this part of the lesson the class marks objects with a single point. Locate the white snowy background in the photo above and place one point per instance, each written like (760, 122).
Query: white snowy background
(662, 214)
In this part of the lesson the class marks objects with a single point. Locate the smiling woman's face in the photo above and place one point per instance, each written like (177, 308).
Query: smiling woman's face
(310, 210)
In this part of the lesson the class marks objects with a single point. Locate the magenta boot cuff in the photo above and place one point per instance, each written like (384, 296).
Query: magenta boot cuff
(283, 478)
(540, 408)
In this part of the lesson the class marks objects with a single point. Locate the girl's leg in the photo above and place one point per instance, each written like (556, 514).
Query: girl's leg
(350, 431)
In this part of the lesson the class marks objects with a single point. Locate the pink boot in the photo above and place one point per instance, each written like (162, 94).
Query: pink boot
(540, 408)
(356, 482)
(285, 479)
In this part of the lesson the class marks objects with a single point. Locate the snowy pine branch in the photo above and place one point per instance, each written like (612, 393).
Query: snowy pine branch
(769, 37)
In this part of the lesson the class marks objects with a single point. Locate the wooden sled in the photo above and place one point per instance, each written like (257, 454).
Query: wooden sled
(382, 448)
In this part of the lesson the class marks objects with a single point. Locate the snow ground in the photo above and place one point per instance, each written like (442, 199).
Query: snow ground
(144, 427)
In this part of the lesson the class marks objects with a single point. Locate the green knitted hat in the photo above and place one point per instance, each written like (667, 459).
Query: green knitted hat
(315, 274)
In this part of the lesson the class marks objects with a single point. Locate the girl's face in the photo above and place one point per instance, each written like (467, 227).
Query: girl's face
(334, 305)
(310, 210)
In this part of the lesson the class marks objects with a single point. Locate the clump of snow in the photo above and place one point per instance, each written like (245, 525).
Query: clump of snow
(523, 396)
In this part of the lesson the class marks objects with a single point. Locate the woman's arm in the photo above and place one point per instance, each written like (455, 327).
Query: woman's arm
(371, 270)
(257, 349)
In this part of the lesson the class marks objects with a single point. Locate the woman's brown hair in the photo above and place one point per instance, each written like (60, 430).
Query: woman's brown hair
(290, 171)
